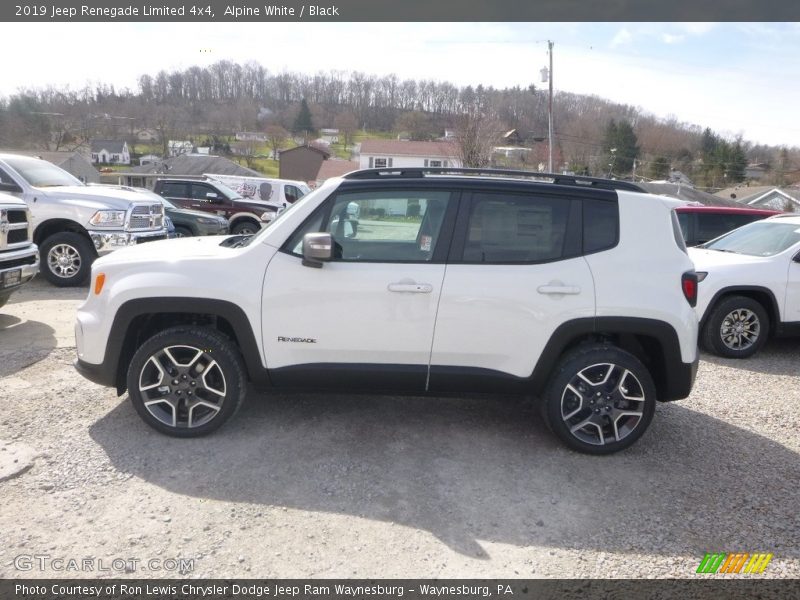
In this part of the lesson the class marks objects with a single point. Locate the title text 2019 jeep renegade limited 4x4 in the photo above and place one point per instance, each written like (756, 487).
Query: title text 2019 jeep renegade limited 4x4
(574, 290)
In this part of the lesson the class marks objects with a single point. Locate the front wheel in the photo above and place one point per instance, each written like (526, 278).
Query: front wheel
(245, 228)
(737, 327)
(186, 382)
(67, 259)
(600, 399)
(181, 231)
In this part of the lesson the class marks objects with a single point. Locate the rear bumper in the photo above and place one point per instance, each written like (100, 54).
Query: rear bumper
(679, 382)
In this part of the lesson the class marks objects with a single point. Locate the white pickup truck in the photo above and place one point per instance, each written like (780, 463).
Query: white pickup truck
(19, 257)
(73, 223)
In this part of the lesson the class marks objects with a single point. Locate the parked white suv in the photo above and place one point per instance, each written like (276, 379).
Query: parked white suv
(575, 290)
(750, 286)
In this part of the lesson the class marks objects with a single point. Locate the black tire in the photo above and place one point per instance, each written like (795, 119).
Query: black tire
(245, 227)
(737, 327)
(173, 408)
(621, 412)
(66, 259)
(181, 231)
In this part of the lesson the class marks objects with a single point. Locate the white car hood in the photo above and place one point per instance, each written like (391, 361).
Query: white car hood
(709, 259)
(96, 197)
(168, 250)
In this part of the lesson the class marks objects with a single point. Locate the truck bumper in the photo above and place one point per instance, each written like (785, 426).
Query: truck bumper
(108, 241)
(18, 267)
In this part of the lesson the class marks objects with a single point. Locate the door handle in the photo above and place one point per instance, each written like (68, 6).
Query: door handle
(414, 288)
(558, 289)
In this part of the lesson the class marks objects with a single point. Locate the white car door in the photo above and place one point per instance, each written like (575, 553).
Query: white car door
(519, 277)
(366, 318)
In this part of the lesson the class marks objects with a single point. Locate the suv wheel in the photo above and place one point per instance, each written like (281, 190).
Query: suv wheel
(67, 259)
(736, 328)
(186, 382)
(599, 400)
(181, 231)
(245, 228)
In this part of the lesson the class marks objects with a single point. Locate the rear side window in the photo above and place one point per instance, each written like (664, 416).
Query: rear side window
(516, 228)
(600, 225)
(174, 190)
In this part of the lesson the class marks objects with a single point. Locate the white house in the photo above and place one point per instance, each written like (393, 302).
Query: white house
(382, 154)
(149, 159)
(331, 136)
(110, 152)
(178, 147)
(251, 136)
(787, 198)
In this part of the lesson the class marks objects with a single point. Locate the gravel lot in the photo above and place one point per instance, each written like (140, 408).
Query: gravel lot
(358, 486)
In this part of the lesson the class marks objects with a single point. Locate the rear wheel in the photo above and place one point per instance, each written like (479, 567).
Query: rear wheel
(737, 327)
(67, 259)
(186, 382)
(600, 399)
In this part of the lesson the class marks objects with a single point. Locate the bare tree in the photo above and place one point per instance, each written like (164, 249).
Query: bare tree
(276, 137)
(347, 124)
(477, 135)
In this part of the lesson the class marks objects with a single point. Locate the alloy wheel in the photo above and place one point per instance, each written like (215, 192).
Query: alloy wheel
(64, 260)
(740, 329)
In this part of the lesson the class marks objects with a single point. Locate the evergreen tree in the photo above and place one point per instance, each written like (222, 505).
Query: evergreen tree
(303, 123)
(621, 138)
(659, 168)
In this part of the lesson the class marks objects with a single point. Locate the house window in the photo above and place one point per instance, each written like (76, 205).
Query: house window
(381, 163)
(435, 163)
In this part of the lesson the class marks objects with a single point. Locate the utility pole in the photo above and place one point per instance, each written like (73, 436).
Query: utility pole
(550, 112)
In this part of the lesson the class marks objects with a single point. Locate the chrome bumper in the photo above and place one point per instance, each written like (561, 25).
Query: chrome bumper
(108, 241)
(19, 260)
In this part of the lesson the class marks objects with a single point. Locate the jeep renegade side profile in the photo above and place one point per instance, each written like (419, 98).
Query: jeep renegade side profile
(578, 291)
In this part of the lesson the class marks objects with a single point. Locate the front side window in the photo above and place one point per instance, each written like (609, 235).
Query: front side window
(384, 226)
(515, 228)
(200, 192)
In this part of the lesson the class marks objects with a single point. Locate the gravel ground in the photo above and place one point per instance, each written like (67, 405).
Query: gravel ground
(357, 486)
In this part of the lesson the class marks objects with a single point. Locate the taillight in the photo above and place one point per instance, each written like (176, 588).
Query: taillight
(689, 287)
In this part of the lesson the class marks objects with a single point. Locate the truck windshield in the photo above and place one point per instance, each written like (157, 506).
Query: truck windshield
(40, 173)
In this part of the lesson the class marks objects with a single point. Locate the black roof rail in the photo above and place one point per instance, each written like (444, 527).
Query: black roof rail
(556, 178)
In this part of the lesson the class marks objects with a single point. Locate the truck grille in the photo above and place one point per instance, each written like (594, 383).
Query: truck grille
(14, 228)
(147, 216)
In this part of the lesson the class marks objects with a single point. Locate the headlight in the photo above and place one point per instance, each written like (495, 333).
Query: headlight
(205, 221)
(108, 218)
(268, 216)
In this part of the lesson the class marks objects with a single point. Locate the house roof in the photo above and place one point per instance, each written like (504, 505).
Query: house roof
(685, 192)
(335, 168)
(195, 165)
(744, 194)
(324, 153)
(408, 148)
(113, 146)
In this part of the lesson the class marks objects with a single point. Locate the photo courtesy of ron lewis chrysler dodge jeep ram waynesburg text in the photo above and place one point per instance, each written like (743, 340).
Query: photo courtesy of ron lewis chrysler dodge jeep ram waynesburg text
(577, 291)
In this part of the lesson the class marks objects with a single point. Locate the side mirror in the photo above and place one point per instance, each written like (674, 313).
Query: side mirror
(317, 248)
(10, 187)
(213, 197)
(796, 258)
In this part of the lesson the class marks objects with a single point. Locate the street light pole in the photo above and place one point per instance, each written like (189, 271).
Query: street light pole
(550, 113)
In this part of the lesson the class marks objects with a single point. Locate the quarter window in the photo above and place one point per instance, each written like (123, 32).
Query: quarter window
(516, 229)
(600, 225)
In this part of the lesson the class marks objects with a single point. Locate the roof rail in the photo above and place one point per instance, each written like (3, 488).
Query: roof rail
(556, 178)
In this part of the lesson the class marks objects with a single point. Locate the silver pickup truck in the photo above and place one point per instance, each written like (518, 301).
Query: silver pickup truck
(74, 223)
(19, 257)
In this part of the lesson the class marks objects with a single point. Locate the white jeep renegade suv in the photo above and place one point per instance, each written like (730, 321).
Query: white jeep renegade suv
(577, 291)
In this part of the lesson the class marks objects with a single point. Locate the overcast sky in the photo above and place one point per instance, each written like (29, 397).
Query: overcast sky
(735, 78)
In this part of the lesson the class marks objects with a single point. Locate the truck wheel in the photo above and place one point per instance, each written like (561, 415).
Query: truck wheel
(186, 381)
(181, 231)
(737, 327)
(67, 259)
(599, 400)
(245, 228)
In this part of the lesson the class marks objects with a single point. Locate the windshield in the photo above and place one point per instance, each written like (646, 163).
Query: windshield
(40, 173)
(763, 238)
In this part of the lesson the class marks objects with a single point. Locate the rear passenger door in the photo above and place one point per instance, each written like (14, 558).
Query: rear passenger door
(516, 272)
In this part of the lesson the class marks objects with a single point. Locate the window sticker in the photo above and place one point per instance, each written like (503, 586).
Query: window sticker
(425, 243)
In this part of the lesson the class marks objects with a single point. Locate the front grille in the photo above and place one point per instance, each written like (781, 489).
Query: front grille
(17, 236)
(18, 262)
(17, 216)
(147, 216)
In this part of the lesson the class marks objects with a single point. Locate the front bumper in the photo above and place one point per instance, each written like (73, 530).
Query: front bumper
(108, 241)
(25, 260)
